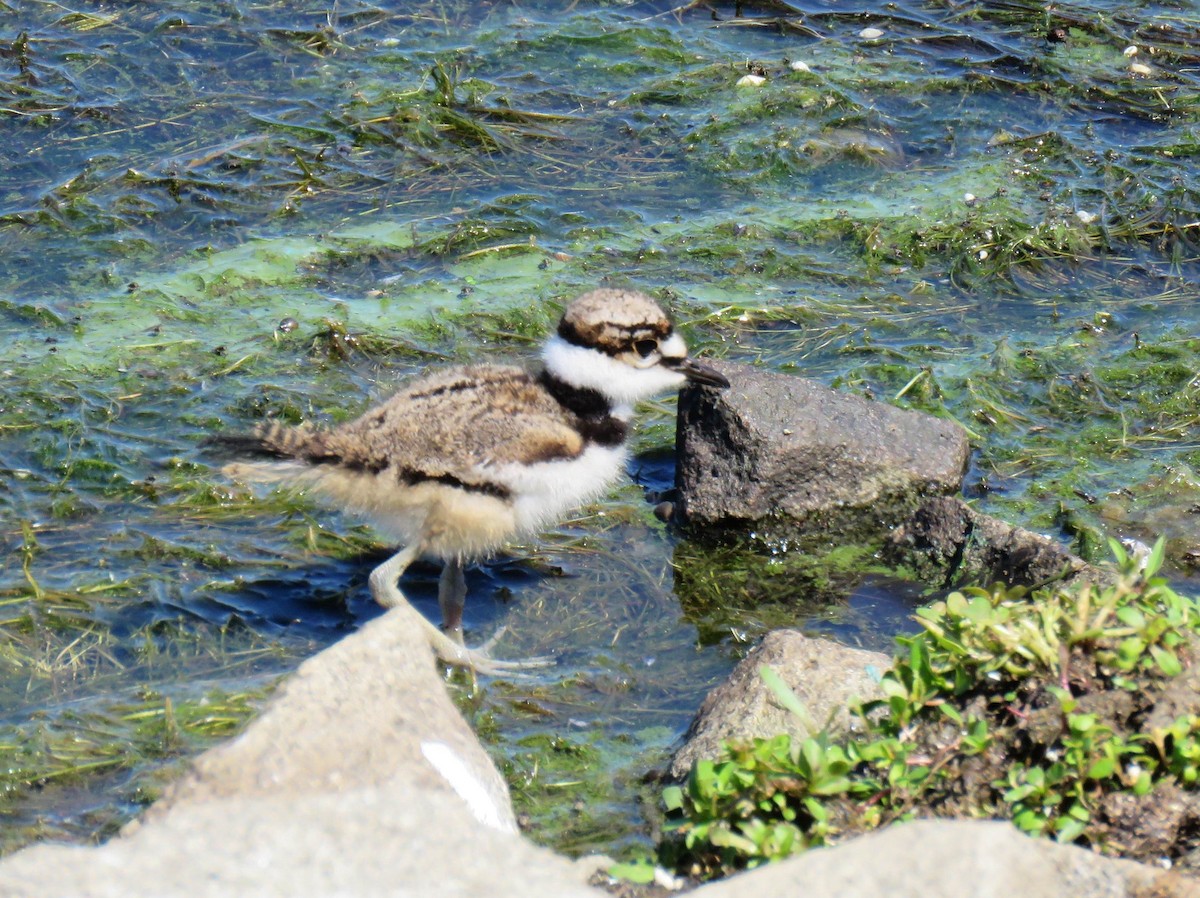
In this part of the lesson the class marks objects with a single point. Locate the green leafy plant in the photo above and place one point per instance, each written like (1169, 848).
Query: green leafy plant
(1033, 706)
(765, 801)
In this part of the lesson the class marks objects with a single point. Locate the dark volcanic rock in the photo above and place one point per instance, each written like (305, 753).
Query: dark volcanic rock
(787, 448)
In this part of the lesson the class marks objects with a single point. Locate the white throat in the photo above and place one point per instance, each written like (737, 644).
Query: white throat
(623, 385)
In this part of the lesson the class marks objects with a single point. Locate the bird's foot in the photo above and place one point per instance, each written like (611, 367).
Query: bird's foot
(479, 659)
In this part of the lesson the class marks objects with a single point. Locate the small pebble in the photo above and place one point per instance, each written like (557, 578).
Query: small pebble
(1140, 69)
(800, 66)
(969, 199)
(1085, 216)
(1131, 50)
(869, 34)
(983, 254)
(751, 81)
(287, 325)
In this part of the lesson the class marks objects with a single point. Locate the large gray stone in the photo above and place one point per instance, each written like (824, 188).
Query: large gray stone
(779, 447)
(361, 778)
(953, 859)
(826, 676)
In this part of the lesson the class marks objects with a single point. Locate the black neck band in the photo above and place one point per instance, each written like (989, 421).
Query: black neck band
(592, 410)
(582, 401)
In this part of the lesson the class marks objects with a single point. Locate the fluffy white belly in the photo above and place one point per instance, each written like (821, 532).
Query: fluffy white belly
(547, 491)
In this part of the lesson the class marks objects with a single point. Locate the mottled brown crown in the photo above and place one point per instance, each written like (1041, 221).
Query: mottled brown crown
(611, 321)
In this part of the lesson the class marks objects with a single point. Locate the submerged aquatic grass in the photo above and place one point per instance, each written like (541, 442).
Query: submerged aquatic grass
(112, 711)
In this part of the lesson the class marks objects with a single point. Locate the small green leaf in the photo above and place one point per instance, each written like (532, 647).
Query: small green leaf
(1167, 662)
(1155, 561)
(1012, 796)
(1081, 723)
(980, 610)
(833, 785)
(724, 838)
(1067, 702)
(956, 604)
(787, 698)
(639, 872)
(1129, 652)
(816, 810)
(1144, 783)
(1069, 830)
(1030, 821)
(1131, 617)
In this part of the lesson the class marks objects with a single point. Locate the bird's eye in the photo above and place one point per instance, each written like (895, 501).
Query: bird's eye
(645, 347)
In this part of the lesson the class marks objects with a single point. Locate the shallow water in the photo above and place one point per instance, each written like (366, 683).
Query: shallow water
(972, 215)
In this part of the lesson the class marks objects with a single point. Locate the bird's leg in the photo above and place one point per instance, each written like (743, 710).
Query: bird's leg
(384, 580)
(452, 595)
(451, 590)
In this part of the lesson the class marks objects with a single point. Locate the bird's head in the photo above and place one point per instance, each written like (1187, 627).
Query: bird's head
(622, 344)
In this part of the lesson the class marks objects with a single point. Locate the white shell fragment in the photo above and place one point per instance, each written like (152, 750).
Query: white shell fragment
(870, 33)
(969, 199)
(1138, 68)
(800, 66)
(1085, 216)
(751, 81)
(1131, 50)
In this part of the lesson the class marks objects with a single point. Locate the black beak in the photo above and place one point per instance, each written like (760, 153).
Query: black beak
(701, 374)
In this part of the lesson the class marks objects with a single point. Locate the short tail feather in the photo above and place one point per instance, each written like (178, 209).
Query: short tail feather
(271, 439)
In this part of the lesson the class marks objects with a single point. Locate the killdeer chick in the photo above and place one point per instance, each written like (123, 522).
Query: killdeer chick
(459, 462)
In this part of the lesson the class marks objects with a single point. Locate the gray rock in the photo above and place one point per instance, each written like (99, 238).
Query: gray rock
(787, 448)
(824, 675)
(788, 456)
(361, 778)
(946, 541)
(362, 713)
(943, 859)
